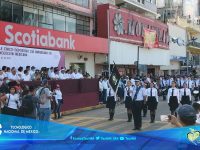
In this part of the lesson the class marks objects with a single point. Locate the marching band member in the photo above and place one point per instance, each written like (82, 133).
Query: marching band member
(128, 97)
(173, 98)
(189, 83)
(185, 95)
(111, 102)
(144, 108)
(163, 88)
(138, 101)
(152, 101)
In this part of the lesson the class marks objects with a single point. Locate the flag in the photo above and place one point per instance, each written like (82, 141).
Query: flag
(114, 78)
(150, 39)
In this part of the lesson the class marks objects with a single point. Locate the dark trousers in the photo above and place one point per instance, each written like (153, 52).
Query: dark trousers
(137, 113)
(58, 108)
(100, 96)
(144, 108)
(104, 95)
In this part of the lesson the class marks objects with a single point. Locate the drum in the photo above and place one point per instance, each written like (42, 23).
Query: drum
(195, 92)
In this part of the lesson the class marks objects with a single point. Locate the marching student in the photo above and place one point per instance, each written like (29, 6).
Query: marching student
(163, 87)
(189, 83)
(138, 101)
(152, 101)
(111, 102)
(144, 108)
(173, 98)
(185, 95)
(128, 97)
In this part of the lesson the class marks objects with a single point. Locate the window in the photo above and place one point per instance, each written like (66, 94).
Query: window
(30, 16)
(83, 3)
(17, 13)
(6, 11)
(45, 19)
(70, 25)
(59, 22)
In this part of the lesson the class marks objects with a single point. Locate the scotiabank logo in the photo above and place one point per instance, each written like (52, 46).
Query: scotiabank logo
(35, 38)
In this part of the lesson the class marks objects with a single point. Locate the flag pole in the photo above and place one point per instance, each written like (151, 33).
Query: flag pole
(108, 30)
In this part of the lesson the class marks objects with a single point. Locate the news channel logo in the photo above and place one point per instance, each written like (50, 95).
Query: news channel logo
(194, 136)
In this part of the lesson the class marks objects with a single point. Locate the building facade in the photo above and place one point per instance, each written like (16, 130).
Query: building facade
(125, 30)
(177, 50)
(71, 19)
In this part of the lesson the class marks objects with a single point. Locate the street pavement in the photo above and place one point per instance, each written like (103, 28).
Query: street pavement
(98, 120)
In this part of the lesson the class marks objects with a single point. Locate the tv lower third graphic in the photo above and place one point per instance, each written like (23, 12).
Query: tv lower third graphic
(18, 129)
(103, 138)
(0, 129)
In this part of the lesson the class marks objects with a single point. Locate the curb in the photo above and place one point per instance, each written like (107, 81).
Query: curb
(69, 112)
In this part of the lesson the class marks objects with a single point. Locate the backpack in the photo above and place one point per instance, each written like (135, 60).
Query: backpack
(27, 106)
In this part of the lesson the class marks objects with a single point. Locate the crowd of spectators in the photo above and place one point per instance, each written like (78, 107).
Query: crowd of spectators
(32, 74)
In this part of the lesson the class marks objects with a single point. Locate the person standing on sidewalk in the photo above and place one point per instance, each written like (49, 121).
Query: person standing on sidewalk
(59, 101)
(44, 95)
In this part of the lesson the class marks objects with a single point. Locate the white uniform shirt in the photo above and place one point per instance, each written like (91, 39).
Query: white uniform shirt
(133, 82)
(110, 92)
(62, 76)
(154, 93)
(26, 77)
(175, 93)
(141, 94)
(100, 86)
(77, 76)
(180, 82)
(189, 83)
(198, 118)
(163, 83)
(13, 77)
(13, 100)
(68, 76)
(197, 83)
(58, 95)
(188, 93)
(105, 84)
(130, 89)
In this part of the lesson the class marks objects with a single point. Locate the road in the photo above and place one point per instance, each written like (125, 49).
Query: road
(98, 119)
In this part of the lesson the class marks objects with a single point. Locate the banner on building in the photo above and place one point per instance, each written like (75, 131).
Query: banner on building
(150, 39)
(13, 56)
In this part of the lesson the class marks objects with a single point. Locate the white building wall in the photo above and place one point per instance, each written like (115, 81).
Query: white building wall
(124, 53)
(177, 32)
(73, 57)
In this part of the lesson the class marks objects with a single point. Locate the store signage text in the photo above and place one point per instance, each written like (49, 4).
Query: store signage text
(34, 38)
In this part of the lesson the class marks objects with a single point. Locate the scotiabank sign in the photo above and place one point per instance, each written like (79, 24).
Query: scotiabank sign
(126, 26)
(33, 37)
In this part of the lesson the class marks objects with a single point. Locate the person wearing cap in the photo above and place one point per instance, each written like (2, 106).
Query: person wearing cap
(138, 101)
(196, 106)
(173, 98)
(44, 95)
(111, 102)
(59, 101)
(128, 98)
(152, 101)
(185, 95)
(186, 116)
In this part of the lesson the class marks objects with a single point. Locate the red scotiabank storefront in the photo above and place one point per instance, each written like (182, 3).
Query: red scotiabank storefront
(28, 45)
